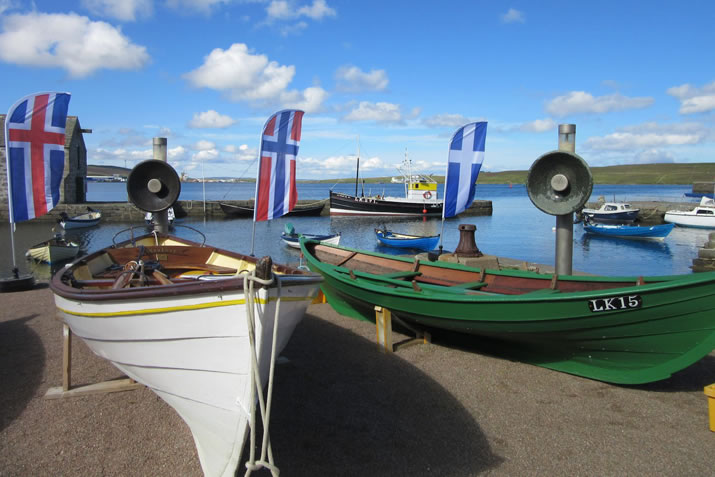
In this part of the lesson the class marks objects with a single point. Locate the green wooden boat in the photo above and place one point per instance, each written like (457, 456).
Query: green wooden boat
(627, 330)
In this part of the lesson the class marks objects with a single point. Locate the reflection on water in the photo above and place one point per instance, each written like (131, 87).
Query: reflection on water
(516, 230)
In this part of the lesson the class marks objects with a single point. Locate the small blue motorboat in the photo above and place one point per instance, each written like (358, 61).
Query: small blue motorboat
(650, 232)
(393, 239)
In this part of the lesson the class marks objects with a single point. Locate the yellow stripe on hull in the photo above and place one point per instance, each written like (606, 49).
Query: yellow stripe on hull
(169, 309)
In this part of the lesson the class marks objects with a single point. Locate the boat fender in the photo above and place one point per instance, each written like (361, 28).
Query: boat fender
(427, 195)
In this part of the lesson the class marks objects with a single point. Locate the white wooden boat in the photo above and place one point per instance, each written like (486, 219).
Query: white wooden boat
(180, 318)
(57, 249)
(88, 219)
(702, 216)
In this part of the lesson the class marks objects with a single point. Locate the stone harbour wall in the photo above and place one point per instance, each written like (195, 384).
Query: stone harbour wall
(127, 212)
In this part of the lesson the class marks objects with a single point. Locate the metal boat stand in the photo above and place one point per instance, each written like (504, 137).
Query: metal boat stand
(383, 331)
(66, 390)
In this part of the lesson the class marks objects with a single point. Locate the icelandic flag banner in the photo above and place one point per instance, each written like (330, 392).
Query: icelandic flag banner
(466, 154)
(35, 150)
(276, 192)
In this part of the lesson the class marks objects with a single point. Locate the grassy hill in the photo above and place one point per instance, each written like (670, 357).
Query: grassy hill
(627, 174)
(107, 170)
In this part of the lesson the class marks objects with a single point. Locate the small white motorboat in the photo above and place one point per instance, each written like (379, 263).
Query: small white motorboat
(610, 212)
(702, 216)
(88, 219)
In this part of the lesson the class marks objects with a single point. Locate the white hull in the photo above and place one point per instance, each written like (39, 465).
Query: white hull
(193, 351)
(296, 243)
(689, 219)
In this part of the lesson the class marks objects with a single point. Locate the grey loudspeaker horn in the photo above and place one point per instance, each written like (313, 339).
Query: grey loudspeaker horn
(153, 185)
(559, 183)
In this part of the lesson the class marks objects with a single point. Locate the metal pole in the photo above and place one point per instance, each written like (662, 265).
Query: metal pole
(162, 218)
(564, 223)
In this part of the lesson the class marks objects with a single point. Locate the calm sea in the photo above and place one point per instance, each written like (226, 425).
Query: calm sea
(516, 229)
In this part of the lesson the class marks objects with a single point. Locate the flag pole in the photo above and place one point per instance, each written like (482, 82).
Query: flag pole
(255, 199)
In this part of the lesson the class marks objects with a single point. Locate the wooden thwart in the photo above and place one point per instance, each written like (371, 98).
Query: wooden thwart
(383, 330)
(66, 390)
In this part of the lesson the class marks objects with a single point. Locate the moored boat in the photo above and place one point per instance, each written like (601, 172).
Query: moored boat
(394, 239)
(291, 238)
(702, 216)
(627, 330)
(307, 210)
(185, 319)
(612, 212)
(644, 232)
(88, 219)
(420, 198)
(55, 250)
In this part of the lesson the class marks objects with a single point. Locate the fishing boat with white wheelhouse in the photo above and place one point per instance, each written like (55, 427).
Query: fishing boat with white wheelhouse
(420, 198)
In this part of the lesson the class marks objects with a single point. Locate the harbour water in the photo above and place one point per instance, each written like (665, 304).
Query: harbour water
(517, 229)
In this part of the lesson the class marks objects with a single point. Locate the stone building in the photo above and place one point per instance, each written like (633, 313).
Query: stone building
(73, 189)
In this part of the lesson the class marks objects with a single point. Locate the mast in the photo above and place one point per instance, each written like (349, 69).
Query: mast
(357, 173)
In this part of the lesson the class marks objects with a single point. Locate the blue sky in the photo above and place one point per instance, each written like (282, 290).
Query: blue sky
(637, 78)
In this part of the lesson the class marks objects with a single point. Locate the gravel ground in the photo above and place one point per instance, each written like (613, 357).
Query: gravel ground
(342, 407)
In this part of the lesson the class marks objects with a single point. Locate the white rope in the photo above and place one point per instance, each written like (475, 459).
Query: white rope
(255, 378)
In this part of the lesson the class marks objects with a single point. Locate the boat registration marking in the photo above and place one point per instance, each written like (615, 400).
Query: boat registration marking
(615, 303)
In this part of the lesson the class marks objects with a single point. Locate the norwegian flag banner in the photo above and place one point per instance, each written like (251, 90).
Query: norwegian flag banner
(35, 150)
(276, 192)
(466, 154)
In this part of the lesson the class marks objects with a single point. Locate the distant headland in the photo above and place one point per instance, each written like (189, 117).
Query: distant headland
(665, 173)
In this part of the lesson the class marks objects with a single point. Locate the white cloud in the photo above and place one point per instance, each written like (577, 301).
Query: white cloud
(352, 79)
(451, 120)
(513, 16)
(244, 76)
(379, 112)
(539, 125)
(68, 41)
(309, 100)
(694, 100)
(284, 10)
(211, 119)
(577, 102)
(124, 10)
(336, 165)
(203, 145)
(648, 136)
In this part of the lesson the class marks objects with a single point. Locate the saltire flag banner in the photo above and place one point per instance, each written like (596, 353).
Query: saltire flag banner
(35, 153)
(276, 192)
(466, 154)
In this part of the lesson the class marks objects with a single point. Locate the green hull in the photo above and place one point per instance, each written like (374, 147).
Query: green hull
(628, 334)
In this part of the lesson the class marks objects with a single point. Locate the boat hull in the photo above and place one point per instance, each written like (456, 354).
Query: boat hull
(653, 232)
(343, 204)
(186, 335)
(309, 210)
(294, 241)
(624, 332)
(404, 241)
(53, 252)
(688, 219)
(90, 219)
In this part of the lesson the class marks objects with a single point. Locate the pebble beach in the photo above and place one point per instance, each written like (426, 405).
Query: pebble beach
(343, 407)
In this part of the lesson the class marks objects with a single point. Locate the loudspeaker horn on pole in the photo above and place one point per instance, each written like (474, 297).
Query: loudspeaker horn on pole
(153, 185)
(559, 183)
